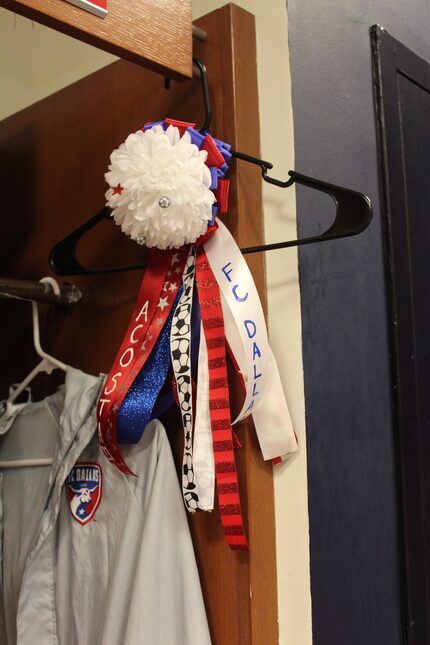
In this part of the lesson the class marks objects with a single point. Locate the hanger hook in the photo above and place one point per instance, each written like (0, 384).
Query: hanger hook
(206, 94)
(36, 327)
(276, 182)
(52, 283)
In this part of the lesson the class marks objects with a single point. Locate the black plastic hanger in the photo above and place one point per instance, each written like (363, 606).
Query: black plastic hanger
(353, 209)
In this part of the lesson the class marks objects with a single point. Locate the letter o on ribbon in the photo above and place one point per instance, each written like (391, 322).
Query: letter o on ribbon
(130, 351)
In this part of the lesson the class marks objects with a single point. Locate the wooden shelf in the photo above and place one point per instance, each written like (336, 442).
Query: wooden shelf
(152, 33)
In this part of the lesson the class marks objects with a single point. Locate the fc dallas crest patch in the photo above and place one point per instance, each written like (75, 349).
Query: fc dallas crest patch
(84, 490)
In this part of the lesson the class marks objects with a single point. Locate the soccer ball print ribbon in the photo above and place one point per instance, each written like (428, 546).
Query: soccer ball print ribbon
(166, 187)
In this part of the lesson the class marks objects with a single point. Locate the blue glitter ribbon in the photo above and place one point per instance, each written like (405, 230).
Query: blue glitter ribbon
(136, 409)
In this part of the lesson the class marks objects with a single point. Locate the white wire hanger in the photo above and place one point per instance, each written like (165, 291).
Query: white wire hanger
(47, 364)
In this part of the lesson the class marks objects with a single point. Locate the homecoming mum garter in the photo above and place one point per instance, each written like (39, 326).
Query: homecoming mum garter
(196, 301)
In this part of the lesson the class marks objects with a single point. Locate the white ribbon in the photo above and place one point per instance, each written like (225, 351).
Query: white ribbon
(246, 333)
(244, 323)
(272, 418)
(203, 454)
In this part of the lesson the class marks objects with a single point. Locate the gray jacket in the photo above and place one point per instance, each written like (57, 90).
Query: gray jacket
(123, 573)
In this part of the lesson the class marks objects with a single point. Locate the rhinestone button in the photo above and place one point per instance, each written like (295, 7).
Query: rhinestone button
(164, 202)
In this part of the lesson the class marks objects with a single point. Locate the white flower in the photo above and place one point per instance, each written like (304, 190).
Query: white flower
(159, 188)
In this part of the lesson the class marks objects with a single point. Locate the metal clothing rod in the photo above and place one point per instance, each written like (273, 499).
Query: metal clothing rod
(39, 292)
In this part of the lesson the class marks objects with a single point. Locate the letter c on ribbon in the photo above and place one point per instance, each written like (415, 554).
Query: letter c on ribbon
(238, 298)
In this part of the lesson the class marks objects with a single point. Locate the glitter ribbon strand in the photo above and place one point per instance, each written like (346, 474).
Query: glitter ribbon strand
(219, 405)
(150, 313)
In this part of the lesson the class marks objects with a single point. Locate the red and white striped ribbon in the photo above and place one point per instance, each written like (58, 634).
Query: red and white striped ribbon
(219, 405)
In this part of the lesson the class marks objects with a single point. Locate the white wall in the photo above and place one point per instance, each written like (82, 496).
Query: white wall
(277, 146)
(36, 62)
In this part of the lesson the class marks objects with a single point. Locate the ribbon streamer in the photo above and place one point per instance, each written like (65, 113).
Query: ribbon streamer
(204, 465)
(150, 314)
(180, 348)
(219, 405)
(246, 333)
(241, 298)
(137, 407)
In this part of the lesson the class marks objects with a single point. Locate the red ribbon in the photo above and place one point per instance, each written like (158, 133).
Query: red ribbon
(219, 405)
(221, 194)
(155, 299)
(181, 125)
(215, 157)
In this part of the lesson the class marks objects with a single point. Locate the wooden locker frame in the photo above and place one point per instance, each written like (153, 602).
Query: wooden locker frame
(59, 149)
